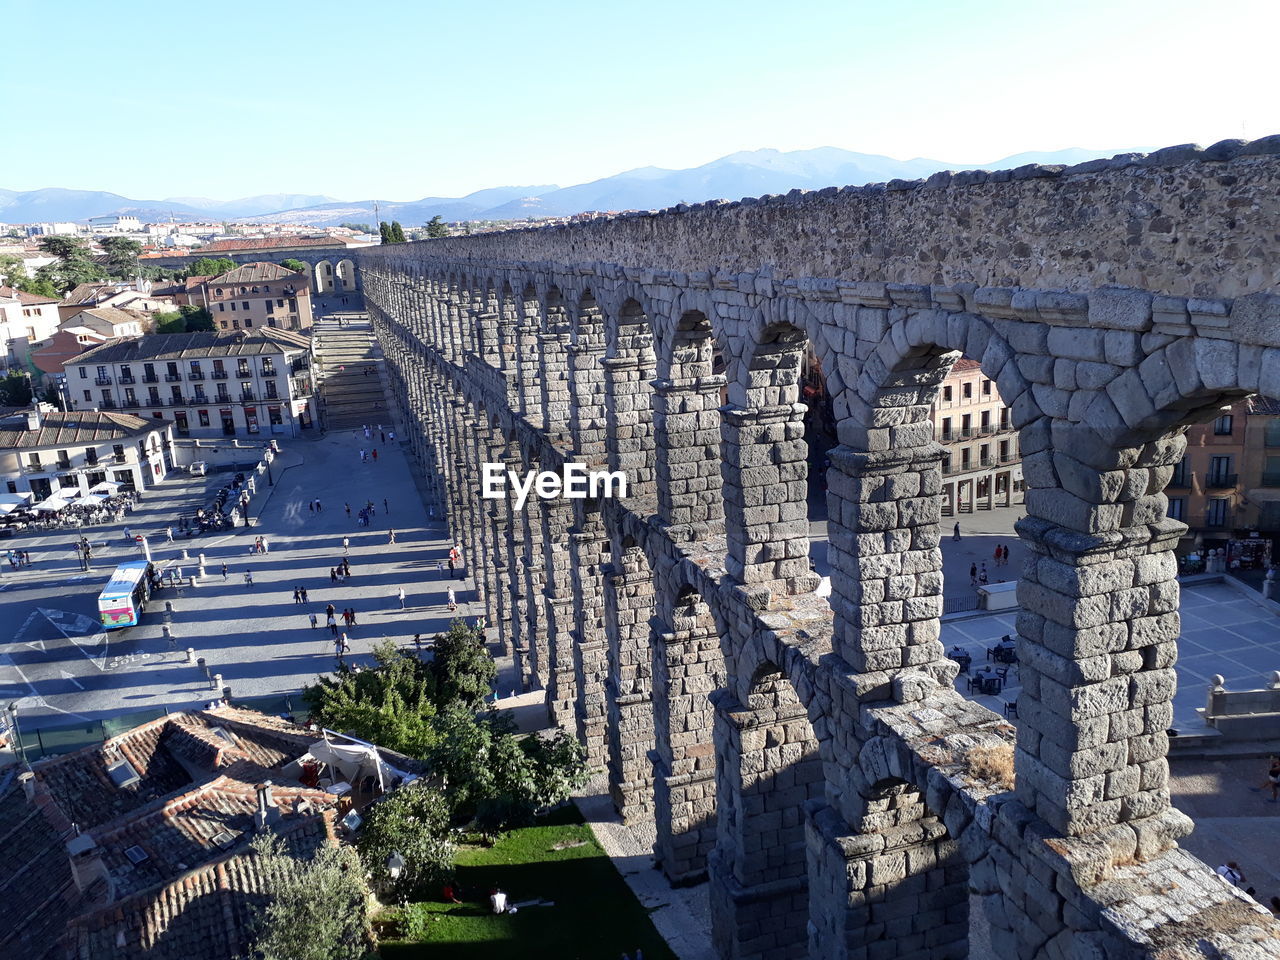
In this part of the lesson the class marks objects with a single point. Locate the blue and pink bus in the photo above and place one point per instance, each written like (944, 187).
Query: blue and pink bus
(125, 596)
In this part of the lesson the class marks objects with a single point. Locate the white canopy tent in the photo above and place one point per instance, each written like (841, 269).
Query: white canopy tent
(109, 487)
(353, 761)
(16, 499)
(53, 504)
(89, 500)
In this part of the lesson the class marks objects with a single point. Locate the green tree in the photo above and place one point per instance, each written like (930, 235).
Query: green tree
(414, 822)
(397, 232)
(168, 321)
(74, 265)
(384, 232)
(497, 779)
(358, 227)
(211, 266)
(436, 227)
(122, 255)
(463, 670)
(197, 318)
(391, 705)
(292, 264)
(11, 269)
(15, 390)
(317, 909)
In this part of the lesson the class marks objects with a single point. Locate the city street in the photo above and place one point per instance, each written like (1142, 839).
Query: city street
(61, 668)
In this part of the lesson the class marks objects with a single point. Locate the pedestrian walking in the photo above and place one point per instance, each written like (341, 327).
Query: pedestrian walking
(304, 594)
(955, 532)
(328, 610)
(346, 646)
(383, 436)
(1272, 782)
(266, 547)
(248, 579)
(375, 454)
(168, 533)
(128, 537)
(348, 506)
(346, 544)
(453, 600)
(982, 575)
(337, 645)
(400, 594)
(453, 561)
(456, 556)
(391, 539)
(319, 507)
(973, 574)
(312, 506)
(353, 617)
(333, 575)
(1006, 554)
(362, 456)
(346, 567)
(297, 594)
(313, 621)
(257, 545)
(224, 571)
(999, 554)
(386, 507)
(332, 624)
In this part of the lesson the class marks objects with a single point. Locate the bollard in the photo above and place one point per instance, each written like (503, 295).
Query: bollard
(226, 694)
(216, 682)
(1269, 584)
(191, 655)
(168, 609)
(186, 554)
(202, 561)
(204, 667)
(201, 572)
(192, 580)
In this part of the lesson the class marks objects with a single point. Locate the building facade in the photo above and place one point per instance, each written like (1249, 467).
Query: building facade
(25, 319)
(241, 384)
(981, 467)
(47, 453)
(258, 295)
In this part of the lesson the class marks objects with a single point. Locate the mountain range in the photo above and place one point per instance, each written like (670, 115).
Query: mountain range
(748, 173)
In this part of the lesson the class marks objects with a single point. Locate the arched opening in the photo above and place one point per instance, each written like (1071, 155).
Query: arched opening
(588, 382)
(529, 355)
(629, 611)
(687, 400)
(768, 771)
(322, 276)
(630, 366)
(508, 335)
(346, 276)
(688, 667)
(555, 334)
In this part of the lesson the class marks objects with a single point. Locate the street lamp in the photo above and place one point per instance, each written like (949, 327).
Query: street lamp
(17, 735)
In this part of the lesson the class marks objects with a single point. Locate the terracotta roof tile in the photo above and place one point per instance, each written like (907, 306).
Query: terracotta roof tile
(258, 273)
(31, 299)
(247, 244)
(74, 427)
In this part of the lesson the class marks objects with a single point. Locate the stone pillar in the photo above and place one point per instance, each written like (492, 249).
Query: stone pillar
(767, 770)
(893, 886)
(588, 552)
(629, 411)
(686, 421)
(766, 498)
(883, 546)
(528, 371)
(534, 584)
(629, 610)
(562, 695)
(688, 665)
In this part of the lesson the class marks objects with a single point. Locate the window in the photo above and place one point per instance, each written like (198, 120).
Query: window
(1222, 426)
(1004, 451)
(1004, 418)
(245, 305)
(88, 396)
(203, 416)
(966, 390)
(984, 420)
(984, 454)
(117, 451)
(280, 303)
(126, 374)
(180, 421)
(222, 308)
(966, 424)
(83, 373)
(293, 304)
(222, 324)
(1179, 478)
(946, 428)
(271, 390)
(986, 388)
(33, 459)
(1216, 513)
(1220, 472)
(965, 457)
(233, 306)
(91, 456)
(1271, 472)
(172, 370)
(270, 307)
(268, 369)
(195, 368)
(1273, 432)
(248, 321)
(244, 289)
(217, 292)
(1177, 508)
(273, 416)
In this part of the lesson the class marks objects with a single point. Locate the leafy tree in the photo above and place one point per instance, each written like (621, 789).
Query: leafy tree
(497, 779)
(15, 390)
(211, 266)
(414, 822)
(391, 705)
(317, 909)
(12, 269)
(358, 227)
(463, 670)
(122, 255)
(197, 318)
(38, 285)
(384, 232)
(168, 321)
(436, 227)
(291, 263)
(397, 232)
(74, 264)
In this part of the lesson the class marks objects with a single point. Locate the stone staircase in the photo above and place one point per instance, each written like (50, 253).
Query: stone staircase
(350, 375)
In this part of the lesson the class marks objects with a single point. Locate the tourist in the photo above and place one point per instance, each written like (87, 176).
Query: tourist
(224, 571)
(400, 594)
(248, 578)
(314, 621)
(498, 900)
(346, 545)
(973, 574)
(999, 553)
(453, 601)
(333, 575)
(332, 624)
(955, 532)
(297, 594)
(1230, 871)
(391, 539)
(1272, 781)
(304, 594)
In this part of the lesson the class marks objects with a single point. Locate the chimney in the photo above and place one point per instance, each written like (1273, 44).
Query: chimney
(268, 812)
(28, 781)
(86, 862)
(34, 421)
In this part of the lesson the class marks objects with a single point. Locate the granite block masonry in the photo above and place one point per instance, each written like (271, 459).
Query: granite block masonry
(809, 755)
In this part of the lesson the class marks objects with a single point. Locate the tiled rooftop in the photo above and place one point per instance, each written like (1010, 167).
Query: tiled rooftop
(258, 273)
(192, 346)
(36, 888)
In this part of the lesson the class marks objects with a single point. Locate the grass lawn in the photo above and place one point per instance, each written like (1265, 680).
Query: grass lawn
(595, 914)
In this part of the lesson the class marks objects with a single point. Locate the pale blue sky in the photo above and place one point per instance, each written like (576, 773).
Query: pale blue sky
(401, 99)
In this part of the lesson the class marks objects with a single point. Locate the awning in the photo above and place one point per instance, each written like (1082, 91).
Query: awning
(353, 761)
(89, 500)
(108, 487)
(52, 505)
(6, 508)
(16, 499)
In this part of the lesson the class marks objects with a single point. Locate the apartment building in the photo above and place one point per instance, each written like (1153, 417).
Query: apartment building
(258, 295)
(74, 452)
(981, 467)
(240, 384)
(25, 319)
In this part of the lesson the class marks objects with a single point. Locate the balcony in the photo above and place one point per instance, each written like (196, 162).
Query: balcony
(119, 458)
(195, 375)
(222, 398)
(177, 401)
(102, 381)
(268, 371)
(1181, 480)
(271, 392)
(247, 396)
(300, 386)
(63, 465)
(36, 468)
(1220, 481)
(124, 378)
(197, 400)
(219, 374)
(150, 378)
(244, 372)
(173, 378)
(107, 404)
(1270, 479)
(131, 403)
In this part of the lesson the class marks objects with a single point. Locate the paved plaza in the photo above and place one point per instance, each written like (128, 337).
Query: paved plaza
(62, 669)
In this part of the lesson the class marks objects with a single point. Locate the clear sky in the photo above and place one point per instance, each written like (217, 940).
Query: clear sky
(400, 99)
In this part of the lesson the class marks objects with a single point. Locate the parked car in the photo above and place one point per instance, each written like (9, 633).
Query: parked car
(198, 468)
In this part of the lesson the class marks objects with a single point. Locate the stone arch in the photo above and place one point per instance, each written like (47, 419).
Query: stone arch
(768, 772)
(554, 337)
(586, 351)
(507, 329)
(688, 666)
(529, 355)
(630, 365)
(322, 277)
(687, 400)
(345, 276)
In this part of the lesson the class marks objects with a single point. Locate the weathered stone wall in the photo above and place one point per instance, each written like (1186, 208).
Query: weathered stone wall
(763, 726)
(1180, 221)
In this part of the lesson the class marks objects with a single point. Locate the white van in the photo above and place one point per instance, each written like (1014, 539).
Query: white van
(198, 468)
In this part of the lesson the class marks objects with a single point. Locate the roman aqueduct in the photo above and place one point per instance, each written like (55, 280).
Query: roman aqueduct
(810, 754)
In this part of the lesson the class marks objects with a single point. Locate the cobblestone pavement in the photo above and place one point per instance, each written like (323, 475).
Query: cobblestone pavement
(256, 637)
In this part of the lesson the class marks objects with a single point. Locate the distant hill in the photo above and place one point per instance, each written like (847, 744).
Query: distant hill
(748, 173)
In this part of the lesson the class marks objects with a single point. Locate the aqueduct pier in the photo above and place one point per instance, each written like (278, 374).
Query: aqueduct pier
(810, 755)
